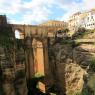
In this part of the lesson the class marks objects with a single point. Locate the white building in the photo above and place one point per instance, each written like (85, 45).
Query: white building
(89, 20)
(74, 22)
(84, 19)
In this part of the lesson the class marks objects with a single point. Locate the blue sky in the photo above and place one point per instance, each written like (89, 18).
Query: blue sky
(38, 11)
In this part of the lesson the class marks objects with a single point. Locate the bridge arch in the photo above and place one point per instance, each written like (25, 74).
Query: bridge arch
(38, 53)
(19, 34)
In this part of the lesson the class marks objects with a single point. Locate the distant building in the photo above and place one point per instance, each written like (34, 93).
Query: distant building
(89, 20)
(82, 19)
(54, 23)
(74, 21)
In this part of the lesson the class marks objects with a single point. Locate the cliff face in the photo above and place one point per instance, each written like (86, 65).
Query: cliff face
(70, 65)
(84, 56)
(63, 56)
(67, 74)
(74, 78)
(20, 74)
(12, 78)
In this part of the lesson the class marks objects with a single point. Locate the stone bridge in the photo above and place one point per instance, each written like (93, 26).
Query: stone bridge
(36, 52)
(35, 31)
(36, 41)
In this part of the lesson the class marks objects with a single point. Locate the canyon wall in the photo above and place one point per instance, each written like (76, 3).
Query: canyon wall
(71, 66)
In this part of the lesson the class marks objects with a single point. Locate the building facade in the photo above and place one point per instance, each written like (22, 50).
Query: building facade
(89, 20)
(54, 23)
(74, 21)
(82, 19)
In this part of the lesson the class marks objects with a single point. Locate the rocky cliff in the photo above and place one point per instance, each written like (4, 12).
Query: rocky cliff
(71, 65)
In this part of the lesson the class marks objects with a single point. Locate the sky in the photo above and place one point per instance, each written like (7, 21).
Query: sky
(38, 11)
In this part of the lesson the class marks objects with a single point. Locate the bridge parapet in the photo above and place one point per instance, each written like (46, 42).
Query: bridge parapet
(36, 31)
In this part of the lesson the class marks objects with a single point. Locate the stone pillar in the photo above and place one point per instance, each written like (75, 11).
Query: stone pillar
(31, 63)
(38, 57)
(46, 63)
(29, 58)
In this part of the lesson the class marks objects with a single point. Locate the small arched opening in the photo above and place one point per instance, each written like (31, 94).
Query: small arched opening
(20, 59)
(19, 34)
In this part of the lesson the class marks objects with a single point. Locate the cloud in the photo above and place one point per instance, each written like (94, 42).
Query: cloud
(75, 6)
(88, 4)
(37, 11)
(10, 7)
(34, 11)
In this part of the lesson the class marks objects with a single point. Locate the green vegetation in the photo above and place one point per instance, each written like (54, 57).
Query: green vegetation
(79, 33)
(78, 93)
(37, 75)
(92, 64)
(82, 33)
(69, 41)
(91, 82)
(32, 86)
(65, 30)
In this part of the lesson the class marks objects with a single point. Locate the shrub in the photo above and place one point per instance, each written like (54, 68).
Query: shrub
(79, 33)
(78, 93)
(92, 64)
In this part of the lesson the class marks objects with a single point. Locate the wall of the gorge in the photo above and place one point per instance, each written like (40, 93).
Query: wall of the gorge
(13, 79)
(70, 64)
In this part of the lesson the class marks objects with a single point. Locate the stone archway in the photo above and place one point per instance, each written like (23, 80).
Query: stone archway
(39, 70)
(19, 34)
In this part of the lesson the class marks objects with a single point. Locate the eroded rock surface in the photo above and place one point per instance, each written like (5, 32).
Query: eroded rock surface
(69, 65)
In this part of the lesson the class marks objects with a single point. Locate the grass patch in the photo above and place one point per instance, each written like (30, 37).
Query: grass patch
(37, 75)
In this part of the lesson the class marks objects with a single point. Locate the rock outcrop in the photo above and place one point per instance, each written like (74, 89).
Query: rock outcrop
(69, 65)
(74, 78)
(12, 75)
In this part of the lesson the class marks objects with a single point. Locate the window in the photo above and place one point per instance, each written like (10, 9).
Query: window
(91, 17)
(88, 18)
